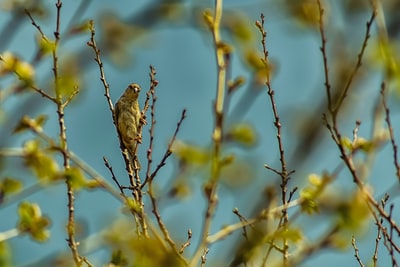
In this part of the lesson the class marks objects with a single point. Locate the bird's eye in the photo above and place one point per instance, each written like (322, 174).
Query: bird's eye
(134, 87)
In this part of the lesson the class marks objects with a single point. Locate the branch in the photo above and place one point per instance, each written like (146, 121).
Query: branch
(168, 152)
(283, 173)
(391, 133)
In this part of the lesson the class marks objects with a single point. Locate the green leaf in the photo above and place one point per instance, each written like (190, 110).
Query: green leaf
(239, 26)
(346, 143)
(354, 213)
(291, 234)
(69, 80)
(364, 144)
(132, 204)
(42, 164)
(47, 47)
(32, 222)
(5, 255)
(242, 133)
(11, 63)
(208, 18)
(9, 185)
(75, 177)
(235, 84)
(310, 194)
(309, 204)
(190, 153)
(27, 123)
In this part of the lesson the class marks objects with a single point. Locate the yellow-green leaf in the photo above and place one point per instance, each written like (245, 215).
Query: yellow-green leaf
(235, 84)
(6, 254)
(80, 28)
(42, 164)
(75, 178)
(190, 153)
(308, 201)
(32, 222)
(69, 79)
(27, 123)
(8, 62)
(132, 204)
(243, 134)
(346, 143)
(10, 185)
(315, 179)
(208, 18)
(306, 12)
(311, 193)
(354, 213)
(239, 26)
(363, 144)
(292, 234)
(46, 46)
(11, 63)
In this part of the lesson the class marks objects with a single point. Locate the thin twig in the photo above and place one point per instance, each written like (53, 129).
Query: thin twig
(168, 151)
(391, 132)
(324, 57)
(243, 220)
(149, 182)
(378, 234)
(353, 243)
(187, 243)
(36, 25)
(358, 63)
(210, 189)
(109, 167)
(204, 257)
(161, 224)
(227, 230)
(283, 173)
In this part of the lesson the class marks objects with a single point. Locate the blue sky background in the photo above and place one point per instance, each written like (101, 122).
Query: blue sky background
(184, 59)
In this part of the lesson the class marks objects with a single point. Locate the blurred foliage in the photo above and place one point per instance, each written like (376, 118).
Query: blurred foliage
(129, 250)
(305, 13)
(32, 222)
(76, 178)
(26, 123)
(242, 134)
(5, 255)
(267, 238)
(9, 186)
(12, 64)
(41, 162)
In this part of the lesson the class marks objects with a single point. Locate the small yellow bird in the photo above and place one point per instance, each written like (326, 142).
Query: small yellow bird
(127, 117)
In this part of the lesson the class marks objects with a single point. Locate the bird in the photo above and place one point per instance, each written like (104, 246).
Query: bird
(127, 118)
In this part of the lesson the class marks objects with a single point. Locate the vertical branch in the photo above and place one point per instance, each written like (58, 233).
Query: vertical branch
(221, 78)
(54, 53)
(61, 104)
(356, 251)
(391, 133)
(324, 57)
(153, 83)
(211, 187)
(283, 173)
(63, 143)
